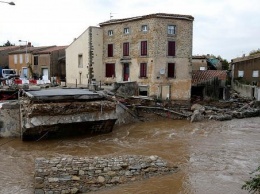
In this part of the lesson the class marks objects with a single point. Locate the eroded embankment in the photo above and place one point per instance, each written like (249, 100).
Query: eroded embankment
(80, 175)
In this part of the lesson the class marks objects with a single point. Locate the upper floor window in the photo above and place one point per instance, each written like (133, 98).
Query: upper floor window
(126, 49)
(110, 32)
(80, 61)
(21, 58)
(255, 73)
(171, 48)
(171, 70)
(110, 52)
(35, 60)
(240, 73)
(143, 48)
(126, 31)
(143, 69)
(144, 28)
(15, 59)
(171, 29)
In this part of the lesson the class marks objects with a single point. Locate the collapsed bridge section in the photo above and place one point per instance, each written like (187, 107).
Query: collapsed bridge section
(65, 111)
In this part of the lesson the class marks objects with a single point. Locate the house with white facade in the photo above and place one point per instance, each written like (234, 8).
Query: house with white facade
(84, 57)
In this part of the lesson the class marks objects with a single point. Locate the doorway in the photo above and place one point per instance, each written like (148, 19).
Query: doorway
(45, 74)
(126, 72)
(25, 73)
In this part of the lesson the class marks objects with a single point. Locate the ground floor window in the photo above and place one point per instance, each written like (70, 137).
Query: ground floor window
(110, 69)
(143, 90)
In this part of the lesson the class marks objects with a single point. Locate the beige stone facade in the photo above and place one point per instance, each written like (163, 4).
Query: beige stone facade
(199, 63)
(83, 55)
(166, 74)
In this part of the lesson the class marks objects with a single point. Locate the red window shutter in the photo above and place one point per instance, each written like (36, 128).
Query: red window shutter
(143, 48)
(171, 48)
(171, 70)
(110, 50)
(126, 49)
(143, 70)
(110, 70)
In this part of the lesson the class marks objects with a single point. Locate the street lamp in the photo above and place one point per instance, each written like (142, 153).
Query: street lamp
(10, 3)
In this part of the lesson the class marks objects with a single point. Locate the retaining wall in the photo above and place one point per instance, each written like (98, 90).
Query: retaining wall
(81, 175)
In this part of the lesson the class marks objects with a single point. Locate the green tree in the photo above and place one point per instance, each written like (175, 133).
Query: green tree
(225, 64)
(253, 184)
(8, 43)
(253, 52)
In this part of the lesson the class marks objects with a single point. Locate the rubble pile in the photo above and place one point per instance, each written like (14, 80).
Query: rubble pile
(225, 110)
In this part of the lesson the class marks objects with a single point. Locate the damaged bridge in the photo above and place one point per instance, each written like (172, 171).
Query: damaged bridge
(65, 111)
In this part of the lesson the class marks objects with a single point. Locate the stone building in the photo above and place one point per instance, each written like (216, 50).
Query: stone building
(47, 63)
(22, 59)
(154, 50)
(199, 63)
(84, 57)
(4, 50)
(247, 69)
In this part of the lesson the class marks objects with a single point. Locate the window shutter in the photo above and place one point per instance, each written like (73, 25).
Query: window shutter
(171, 48)
(110, 50)
(126, 49)
(143, 70)
(143, 48)
(171, 69)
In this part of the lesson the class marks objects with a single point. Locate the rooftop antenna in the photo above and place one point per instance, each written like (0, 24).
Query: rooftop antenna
(111, 16)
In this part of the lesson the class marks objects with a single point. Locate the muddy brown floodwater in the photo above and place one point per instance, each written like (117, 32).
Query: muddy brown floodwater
(213, 157)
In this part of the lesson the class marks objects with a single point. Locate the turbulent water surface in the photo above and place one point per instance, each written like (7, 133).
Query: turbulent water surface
(213, 157)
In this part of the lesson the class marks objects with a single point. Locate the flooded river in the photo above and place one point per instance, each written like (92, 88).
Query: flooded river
(213, 157)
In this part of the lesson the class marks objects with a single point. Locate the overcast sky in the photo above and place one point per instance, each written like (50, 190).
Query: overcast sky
(228, 28)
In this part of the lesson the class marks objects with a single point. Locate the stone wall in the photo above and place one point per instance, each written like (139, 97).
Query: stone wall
(81, 175)
(10, 118)
(244, 90)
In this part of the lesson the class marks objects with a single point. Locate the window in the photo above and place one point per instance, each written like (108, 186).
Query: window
(110, 32)
(21, 58)
(126, 49)
(110, 50)
(144, 28)
(171, 48)
(171, 70)
(126, 31)
(143, 69)
(26, 58)
(255, 73)
(240, 73)
(15, 59)
(35, 59)
(143, 48)
(171, 29)
(80, 61)
(110, 70)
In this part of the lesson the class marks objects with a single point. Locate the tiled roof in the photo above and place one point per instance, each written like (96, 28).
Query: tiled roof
(245, 58)
(156, 15)
(2, 48)
(51, 49)
(199, 57)
(199, 76)
(29, 49)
